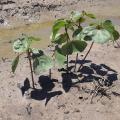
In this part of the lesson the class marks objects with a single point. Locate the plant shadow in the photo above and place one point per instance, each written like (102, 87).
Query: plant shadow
(45, 92)
(24, 86)
(90, 73)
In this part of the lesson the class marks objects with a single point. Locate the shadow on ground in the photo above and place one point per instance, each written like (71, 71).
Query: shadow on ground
(45, 92)
(102, 73)
(46, 85)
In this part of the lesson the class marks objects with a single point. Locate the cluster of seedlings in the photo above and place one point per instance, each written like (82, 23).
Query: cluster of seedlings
(69, 36)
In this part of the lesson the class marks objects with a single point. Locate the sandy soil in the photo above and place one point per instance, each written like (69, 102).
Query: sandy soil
(17, 12)
(64, 97)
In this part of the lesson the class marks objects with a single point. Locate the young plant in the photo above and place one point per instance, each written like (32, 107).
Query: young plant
(98, 32)
(76, 40)
(65, 44)
(38, 61)
(78, 18)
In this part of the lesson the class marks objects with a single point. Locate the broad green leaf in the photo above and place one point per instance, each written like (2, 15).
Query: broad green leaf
(96, 35)
(59, 57)
(42, 64)
(108, 26)
(20, 45)
(60, 23)
(67, 48)
(78, 46)
(101, 36)
(73, 46)
(60, 38)
(15, 63)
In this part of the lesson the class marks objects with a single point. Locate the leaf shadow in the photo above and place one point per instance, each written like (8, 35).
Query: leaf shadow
(24, 86)
(90, 73)
(45, 92)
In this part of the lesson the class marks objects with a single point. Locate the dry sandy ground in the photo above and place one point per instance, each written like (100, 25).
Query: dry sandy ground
(60, 98)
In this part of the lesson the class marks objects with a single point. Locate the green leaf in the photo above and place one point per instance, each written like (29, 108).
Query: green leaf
(60, 38)
(15, 63)
(36, 51)
(88, 30)
(78, 46)
(69, 25)
(73, 46)
(76, 32)
(101, 36)
(116, 35)
(90, 15)
(42, 64)
(75, 16)
(91, 33)
(31, 38)
(60, 23)
(59, 57)
(67, 49)
(108, 26)
(20, 45)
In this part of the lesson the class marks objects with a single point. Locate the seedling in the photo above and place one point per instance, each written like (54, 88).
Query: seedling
(69, 35)
(65, 40)
(98, 32)
(38, 61)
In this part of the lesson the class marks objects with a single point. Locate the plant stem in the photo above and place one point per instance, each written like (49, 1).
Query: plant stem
(50, 73)
(79, 25)
(31, 69)
(67, 43)
(86, 55)
(76, 62)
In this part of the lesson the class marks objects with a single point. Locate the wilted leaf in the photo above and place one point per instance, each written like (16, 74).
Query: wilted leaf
(15, 63)
(42, 64)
